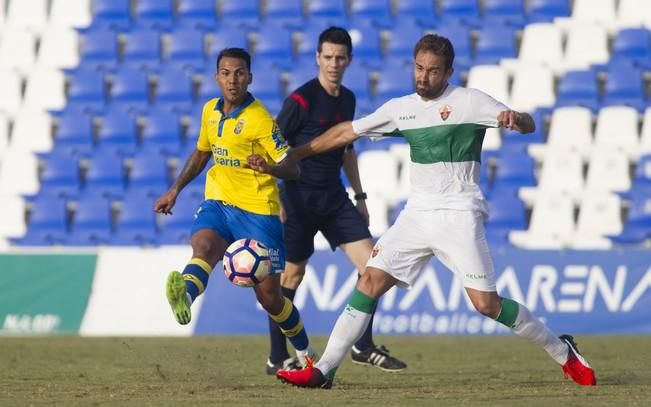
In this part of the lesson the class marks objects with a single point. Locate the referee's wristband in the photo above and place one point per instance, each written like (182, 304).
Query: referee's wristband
(361, 196)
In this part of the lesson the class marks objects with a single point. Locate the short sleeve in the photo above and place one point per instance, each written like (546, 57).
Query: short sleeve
(203, 143)
(376, 123)
(292, 116)
(484, 108)
(272, 140)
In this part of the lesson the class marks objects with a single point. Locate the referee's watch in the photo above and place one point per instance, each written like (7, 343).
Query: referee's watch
(361, 196)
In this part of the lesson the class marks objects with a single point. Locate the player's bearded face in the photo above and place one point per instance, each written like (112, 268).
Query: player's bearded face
(233, 78)
(430, 74)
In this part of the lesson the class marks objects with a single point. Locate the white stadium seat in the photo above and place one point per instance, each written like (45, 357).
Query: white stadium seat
(562, 173)
(59, 48)
(608, 171)
(542, 43)
(533, 87)
(11, 95)
(634, 13)
(587, 44)
(590, 233)
(403, 153)
(17, 50)
(71, 13)
(645, 135)
(601, 11)
(378, 212)
(378, 171)
(617, 127)
(45, 90)
(552, 224)
(4, 136)
(32, 132)
(19, 173)
(571, 129)
(28, 14)
(492, 79)
(13, 216)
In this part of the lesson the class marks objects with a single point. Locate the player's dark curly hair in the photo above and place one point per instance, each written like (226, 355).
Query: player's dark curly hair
(437, 45)
(336, 35)
(239, 53)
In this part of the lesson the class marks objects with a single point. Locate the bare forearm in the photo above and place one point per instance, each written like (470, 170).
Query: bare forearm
(286, 169)
(192, 168)
(352, 170)
(335, 137)
(524, 123)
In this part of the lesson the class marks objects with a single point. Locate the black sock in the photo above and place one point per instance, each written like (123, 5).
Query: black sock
(366, 341)
(278, 341)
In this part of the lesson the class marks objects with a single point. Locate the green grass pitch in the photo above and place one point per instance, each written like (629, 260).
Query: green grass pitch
(228, 371)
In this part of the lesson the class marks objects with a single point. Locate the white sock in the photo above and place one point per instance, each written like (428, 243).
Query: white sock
(348, 329)
(528, 326)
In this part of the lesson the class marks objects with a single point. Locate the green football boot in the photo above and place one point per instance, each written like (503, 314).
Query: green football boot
(178, 298)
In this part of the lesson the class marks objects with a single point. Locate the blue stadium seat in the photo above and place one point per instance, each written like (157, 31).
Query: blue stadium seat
(225, 38)
(142, 49)
(633, 44)
(113, 13)
(87, 90)
(197, 186)
(395, 80)
(136, 225)
(515, 169)
(463, 11)
(309, 41)
(148, 173)
(327, 9)
(495, 43)
(155, 13)
(422, 11)
(459, 35)
(403, 38)
(624, 86)
(174, 90)
(99, 50)
(130, 90)
(637, 227)
(92, 222)
(286, 12)
(118, 132)
(507, 213)
(60, 177)
(356, 79)
(244, 12)
(208, 89)
(266, 87)
(200, 14)
(579, 88)
(366, 45)
(547, 10)
(47, 223)
(274, 45)
(186, 49)
(301, 74)
(509, 12)
(74, 133)
(377, 11)
(642, 176)
(162, 132)
(105, 175)
(177, 226)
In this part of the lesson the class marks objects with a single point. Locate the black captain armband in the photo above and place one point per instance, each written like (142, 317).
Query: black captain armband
(361, 196)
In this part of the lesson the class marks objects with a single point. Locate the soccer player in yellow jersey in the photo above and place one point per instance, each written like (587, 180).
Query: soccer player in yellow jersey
(240, 136)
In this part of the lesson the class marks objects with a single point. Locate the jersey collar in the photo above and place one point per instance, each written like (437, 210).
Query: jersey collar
(219, 106)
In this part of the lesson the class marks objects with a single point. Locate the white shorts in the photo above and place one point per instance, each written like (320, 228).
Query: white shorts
(455, 237)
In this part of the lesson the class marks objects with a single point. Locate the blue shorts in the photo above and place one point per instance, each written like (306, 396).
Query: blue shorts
(233, 223)
(311, 210)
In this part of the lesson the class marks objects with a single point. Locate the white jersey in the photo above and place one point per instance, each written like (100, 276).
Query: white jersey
(445, 137)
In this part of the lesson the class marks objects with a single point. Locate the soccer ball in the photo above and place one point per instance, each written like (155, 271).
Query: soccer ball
(246, 262)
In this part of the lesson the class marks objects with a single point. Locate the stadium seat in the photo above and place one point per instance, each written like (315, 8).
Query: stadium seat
(99, 50)
(87, 90)
(288, 12)
(71, 13)
(30, 15)
(92, 222)
(633, 44)
(376, 11)
(494, 43)
(597, 11)
(104, 175)
(395, 80)
(118, 132)
(608, 171)
(176, 229)
(533, 87)
(208, 89)
(422, 11)
(378, 171)
(300, 75)
(309, 41)
(32, 131)
(460, 36)
(45, 90)
(643, 171)
(47, 223)
(334, 9)
(571, 129)
(402, 39)
(136, 225)
(552, 224)
(59, 48)
(162, 132)
(198, 14)
(515, 170)
(60, 177)
(356, 79)
(561, 174)
(112, 13)
(244, 12)
(617, 128)
(74, 133)
(154, 13)
(506, 213)
(401, 151)
(624, 86)
(587, 44)
(579, 88)
(463, 11)
(17, 50)
(547, 10)
(11, 96)
(130, 90)
(142, 49)
(273, 44)
(634, 13)
(589, 234)
(637, 226)
(508, 12)
(4, 136)
(186, 49)
(366, 45)
(23, 163)
(542, 43)
(378, 210)
(491, 79)
(148, 173)
(645, 135)
(266, 87)
(13, 221)
(174, 90)
(225, 38)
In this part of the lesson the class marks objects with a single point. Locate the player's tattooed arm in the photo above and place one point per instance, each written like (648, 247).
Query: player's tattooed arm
(193, 167)
(520, 122)
(285, 169)
(335, 137)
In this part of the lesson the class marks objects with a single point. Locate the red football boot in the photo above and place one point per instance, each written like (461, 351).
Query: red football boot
(576, 366)
(309, 377)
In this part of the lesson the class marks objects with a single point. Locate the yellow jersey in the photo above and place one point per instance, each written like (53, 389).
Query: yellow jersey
(231, 138)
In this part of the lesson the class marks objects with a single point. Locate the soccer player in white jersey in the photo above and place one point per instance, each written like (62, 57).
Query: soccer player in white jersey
(444, 215)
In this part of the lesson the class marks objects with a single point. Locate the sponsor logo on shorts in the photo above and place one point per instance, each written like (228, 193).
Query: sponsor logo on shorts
(375, 251)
